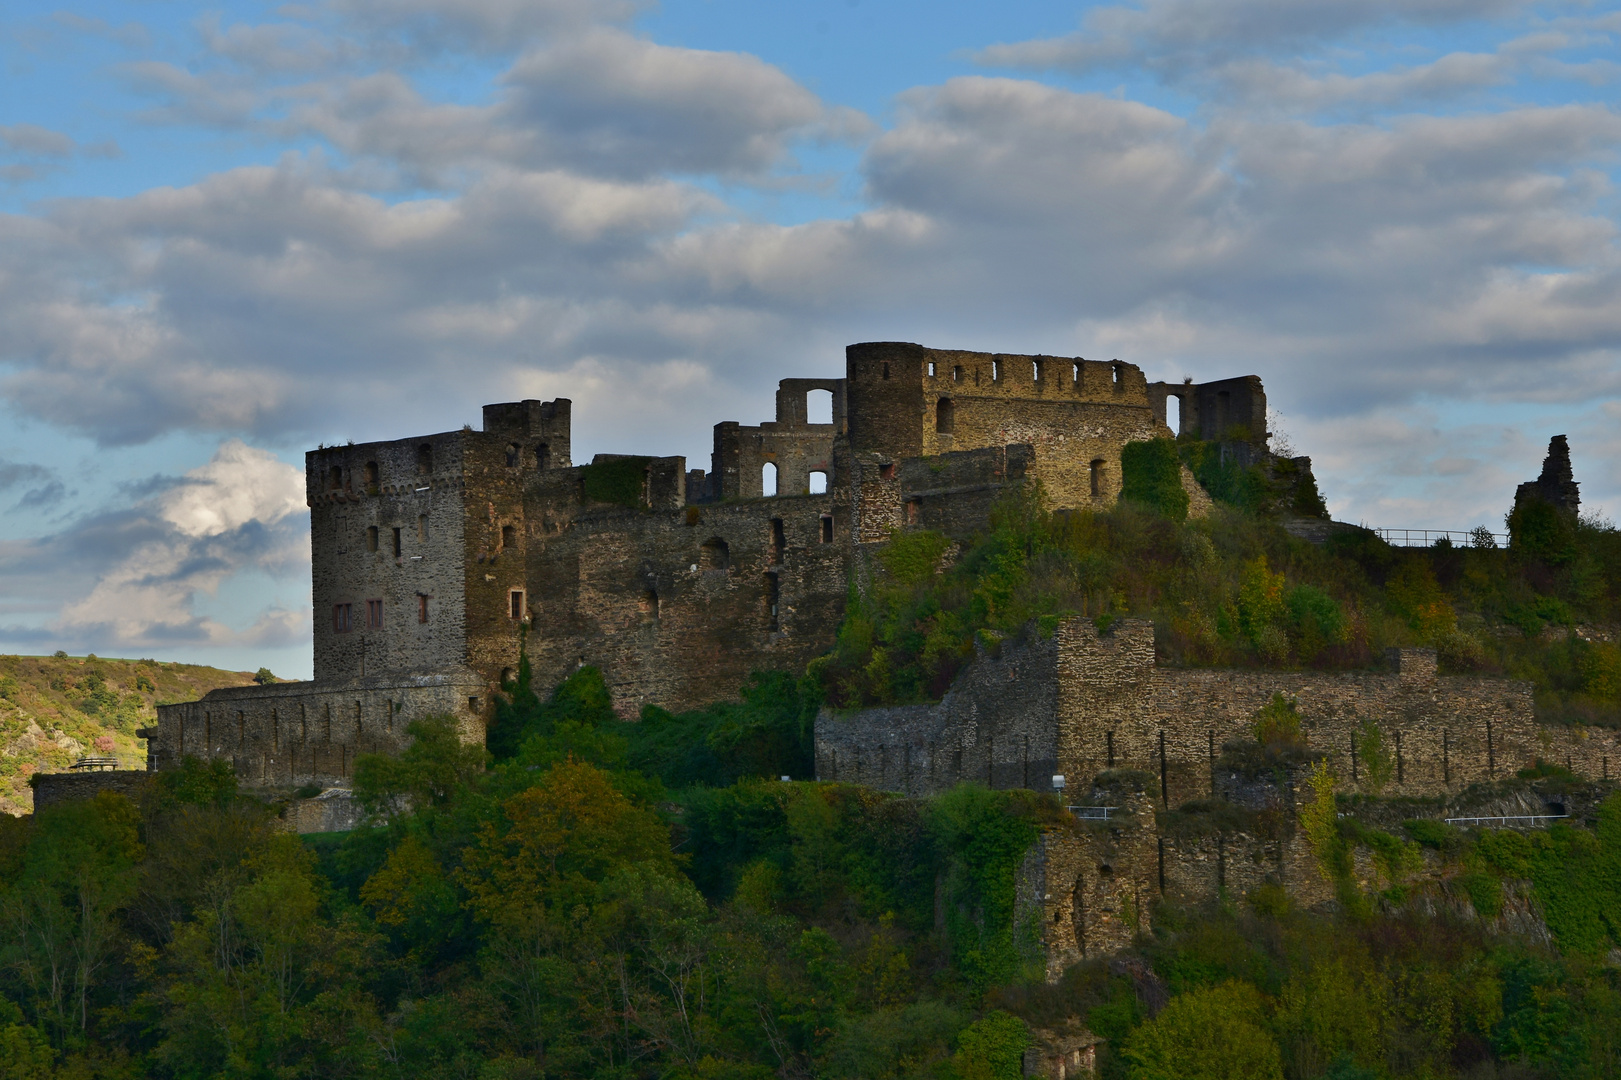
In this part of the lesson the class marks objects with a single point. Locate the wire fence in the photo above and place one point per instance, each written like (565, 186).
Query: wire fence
(1480, 537)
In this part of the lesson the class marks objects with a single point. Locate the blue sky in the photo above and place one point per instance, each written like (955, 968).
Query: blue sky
(229, 232)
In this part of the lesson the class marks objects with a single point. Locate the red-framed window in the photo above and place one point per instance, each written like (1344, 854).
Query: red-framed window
(374, 614)
(343, 618)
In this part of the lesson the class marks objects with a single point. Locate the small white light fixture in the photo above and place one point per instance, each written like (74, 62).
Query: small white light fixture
(1058, 782)
(785, 780)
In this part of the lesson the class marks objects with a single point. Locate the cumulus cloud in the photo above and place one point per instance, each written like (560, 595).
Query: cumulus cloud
(133, 577)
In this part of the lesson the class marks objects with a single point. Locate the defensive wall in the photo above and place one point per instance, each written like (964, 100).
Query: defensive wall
(1082, 702)
(295, 733)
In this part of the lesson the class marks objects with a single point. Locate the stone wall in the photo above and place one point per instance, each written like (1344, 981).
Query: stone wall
(676, 607)
(1102, 701)
(296, 733)
(53, 789)
(993, 727)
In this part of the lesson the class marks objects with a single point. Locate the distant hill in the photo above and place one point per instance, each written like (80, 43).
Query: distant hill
(54, 709)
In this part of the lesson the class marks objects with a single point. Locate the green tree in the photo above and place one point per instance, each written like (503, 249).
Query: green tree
(430, 772)
(61, 912)
(1212, 1033)
(991, 1048)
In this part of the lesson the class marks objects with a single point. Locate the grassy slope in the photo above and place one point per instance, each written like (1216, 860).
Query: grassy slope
(53, 709)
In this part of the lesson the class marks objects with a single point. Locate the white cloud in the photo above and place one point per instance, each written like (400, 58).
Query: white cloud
(241, 511)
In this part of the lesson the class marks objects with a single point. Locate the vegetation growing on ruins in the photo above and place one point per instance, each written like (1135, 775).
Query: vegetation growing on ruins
(1235, 589)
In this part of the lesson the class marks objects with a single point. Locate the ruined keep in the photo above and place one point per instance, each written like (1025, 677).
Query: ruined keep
(432, 555)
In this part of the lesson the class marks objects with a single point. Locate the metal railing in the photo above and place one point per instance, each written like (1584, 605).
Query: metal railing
(1513, 817)
(94, 763)
(1428, 537)
(1091, 813)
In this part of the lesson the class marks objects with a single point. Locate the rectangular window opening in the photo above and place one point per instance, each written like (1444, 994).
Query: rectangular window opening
(516, 598)
(422, 608)
(827, 528)
(397, 547)
(422, 527)
(342, 618)
(371, 538)
(374, 614)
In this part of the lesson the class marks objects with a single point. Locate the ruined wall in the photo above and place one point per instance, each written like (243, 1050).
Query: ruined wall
(993, 727)
(1227, 410)
(1111, 707)
(295, 733)
(1441, 733)
(674, 605)
(793, 445)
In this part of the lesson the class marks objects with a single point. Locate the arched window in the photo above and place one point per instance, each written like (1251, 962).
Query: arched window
(714, 554)
(1075, 373)
(425, 460)
(371, 476)
(1173, 414)
(768, 478)
(818, 483)
(512, 455)
(543, 456)
(509, 536)
(819, 407)
(945, 416)
(1119, 375)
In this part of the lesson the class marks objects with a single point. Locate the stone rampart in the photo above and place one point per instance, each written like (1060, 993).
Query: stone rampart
(296, 733)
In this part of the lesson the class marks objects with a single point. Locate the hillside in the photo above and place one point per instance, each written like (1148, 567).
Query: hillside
(53, 709)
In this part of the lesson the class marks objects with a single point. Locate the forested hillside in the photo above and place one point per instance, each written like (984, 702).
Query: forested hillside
(565, 914)
(55, 709)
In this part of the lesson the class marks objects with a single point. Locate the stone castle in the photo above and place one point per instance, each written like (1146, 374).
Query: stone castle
(436, 558)
(432, 556)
